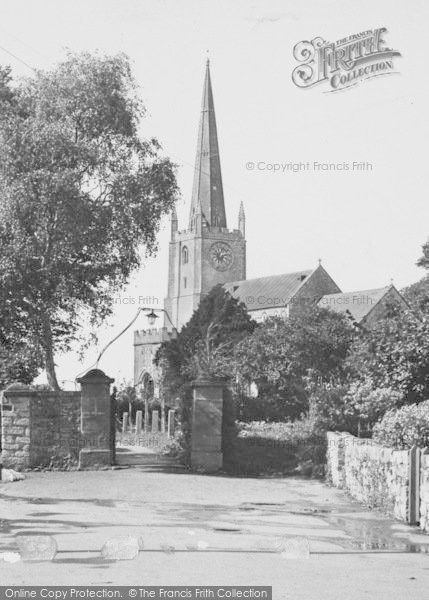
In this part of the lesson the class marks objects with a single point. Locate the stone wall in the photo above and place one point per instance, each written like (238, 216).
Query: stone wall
(54, 426)
(372, 474)
(377, 476)
(335, 459)
(39, 426)
(424, 491)
(15, 431)
(314, 287)
(391, 297)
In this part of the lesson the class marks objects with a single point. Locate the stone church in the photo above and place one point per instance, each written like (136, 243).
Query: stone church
(207, 253)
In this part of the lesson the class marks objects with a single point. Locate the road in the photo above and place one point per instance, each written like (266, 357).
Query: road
(211, 530)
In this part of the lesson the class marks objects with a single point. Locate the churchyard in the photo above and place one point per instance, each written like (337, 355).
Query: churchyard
(276, 429)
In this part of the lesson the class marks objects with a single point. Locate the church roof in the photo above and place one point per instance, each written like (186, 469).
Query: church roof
(357, 304)
(207, 191)
(266, 292)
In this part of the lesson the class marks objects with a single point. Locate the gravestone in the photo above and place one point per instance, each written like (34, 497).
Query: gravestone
(125, 422)
(139, 421)
(146, 417)
(162, 416)
(155, 421)
(170, 426)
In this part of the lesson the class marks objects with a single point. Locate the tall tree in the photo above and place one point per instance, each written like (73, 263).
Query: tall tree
(417, 295)
(395, 354)
(206, 344)
(424, 259)
(80, 193)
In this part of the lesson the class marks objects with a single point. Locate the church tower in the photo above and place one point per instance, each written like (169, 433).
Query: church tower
(207, 252)
(200, 257)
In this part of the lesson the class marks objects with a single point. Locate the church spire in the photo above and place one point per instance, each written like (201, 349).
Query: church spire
(207, 192)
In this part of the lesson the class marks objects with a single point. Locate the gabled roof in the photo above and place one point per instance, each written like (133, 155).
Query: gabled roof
(267, 292)
(357, 304)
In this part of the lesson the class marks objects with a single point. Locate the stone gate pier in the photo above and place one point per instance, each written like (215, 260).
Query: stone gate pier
(97, 447)
(207, 415)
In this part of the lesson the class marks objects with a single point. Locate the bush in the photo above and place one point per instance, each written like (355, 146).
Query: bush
(394, 353)
(355, 407)
(289, 433)
(181, 446)
(368, 404)
(329, 410)
(270, 405)
(288, 448)
(405, 427)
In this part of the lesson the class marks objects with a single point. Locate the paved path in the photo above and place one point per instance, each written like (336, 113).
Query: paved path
(140, 455)
(237, 523)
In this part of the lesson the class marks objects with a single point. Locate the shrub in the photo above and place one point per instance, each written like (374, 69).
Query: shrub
(289, 448)
(287, 433)
(270, 405)
(328, 408)
(369, 404)
(404, 427)
(355, 407)
(394, 353)
(184, 426)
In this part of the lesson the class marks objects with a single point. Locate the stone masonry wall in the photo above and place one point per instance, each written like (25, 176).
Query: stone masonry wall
(372, 474)
(315, 286)
(38, 426)
(335, 459)
(15, 432)
(54, 426)
(424, 491)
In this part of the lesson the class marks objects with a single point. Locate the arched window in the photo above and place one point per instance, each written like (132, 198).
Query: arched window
(185, 255)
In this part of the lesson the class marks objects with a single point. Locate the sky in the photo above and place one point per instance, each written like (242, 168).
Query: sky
(366, 226)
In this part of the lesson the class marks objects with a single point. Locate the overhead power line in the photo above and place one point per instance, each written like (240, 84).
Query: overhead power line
(17, 58)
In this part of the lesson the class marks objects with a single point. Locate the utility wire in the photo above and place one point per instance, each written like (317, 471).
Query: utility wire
(111, 342)
(17, 58)
(25, 44)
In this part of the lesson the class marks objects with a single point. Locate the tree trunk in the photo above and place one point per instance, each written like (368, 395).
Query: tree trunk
(48, 348)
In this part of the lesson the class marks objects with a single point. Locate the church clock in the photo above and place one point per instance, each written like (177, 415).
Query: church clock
(221, 256)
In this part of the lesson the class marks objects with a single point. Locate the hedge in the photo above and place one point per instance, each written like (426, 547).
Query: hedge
(266, 448)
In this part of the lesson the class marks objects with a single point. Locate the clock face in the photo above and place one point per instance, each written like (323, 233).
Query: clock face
(221, 256)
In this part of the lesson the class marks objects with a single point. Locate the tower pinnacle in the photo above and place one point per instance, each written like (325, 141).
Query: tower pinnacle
(207, 191)
(174, 222)
(242, 220)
